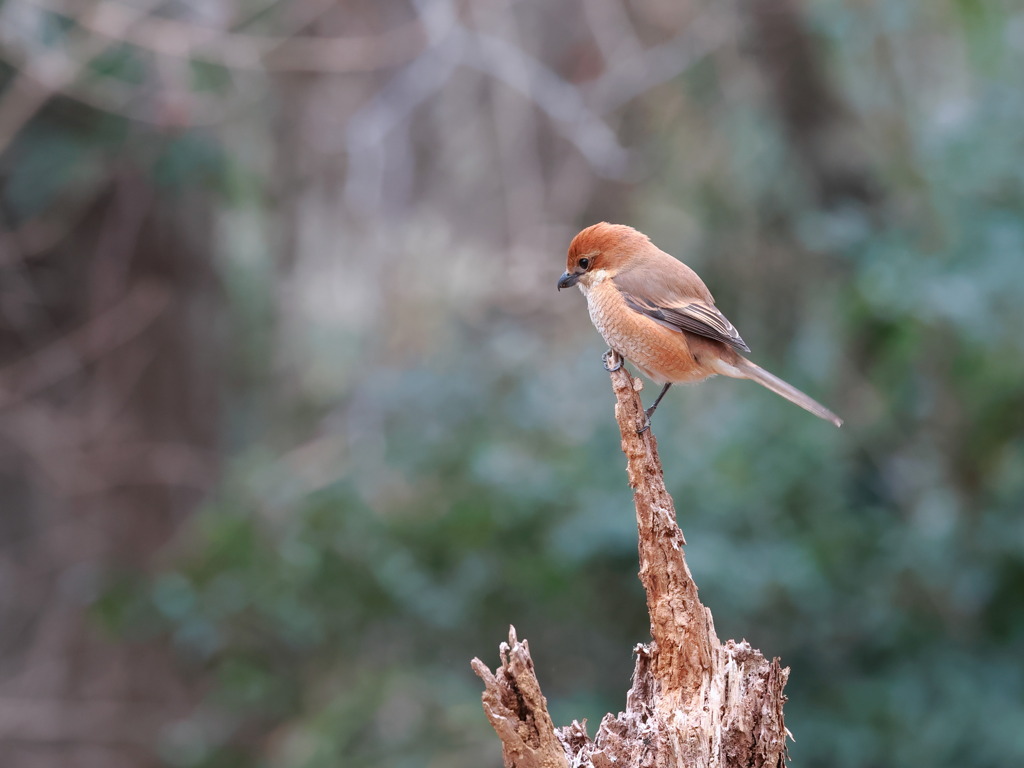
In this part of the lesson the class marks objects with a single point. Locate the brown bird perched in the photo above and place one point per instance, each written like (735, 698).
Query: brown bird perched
(653, 310)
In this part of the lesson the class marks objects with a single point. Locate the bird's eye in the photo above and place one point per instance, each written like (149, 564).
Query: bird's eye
(584, 263)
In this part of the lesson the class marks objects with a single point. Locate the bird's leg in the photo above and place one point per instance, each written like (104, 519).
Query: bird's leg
(650, 411)
(612, 360)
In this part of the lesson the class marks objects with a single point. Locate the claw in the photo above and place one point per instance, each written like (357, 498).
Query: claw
(606, 359)
(650, 411)
(647, 421)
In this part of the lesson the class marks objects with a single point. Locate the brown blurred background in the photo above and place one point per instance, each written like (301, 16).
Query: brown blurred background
(294, 422)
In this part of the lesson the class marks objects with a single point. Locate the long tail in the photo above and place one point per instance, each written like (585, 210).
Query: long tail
(744, 369)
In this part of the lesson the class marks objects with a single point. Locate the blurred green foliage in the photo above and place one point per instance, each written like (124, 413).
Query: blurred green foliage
(389, 506)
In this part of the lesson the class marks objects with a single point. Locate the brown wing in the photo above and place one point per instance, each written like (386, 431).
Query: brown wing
(694, 317)
(668, 291)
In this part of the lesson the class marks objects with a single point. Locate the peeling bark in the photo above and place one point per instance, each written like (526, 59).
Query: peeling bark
(518, 710)
(693, 702)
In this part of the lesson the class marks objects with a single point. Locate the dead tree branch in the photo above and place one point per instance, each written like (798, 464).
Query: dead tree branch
(694, 701)
(518, 710)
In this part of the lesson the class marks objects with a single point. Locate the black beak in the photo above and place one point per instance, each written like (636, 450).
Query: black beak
(567, 281)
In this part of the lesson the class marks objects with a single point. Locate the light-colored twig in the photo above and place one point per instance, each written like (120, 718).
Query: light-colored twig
(640, 70)
(236, 50)
(450, 45)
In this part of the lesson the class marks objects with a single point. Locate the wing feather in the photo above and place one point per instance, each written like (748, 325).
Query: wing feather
(669, 292)
(694, 317)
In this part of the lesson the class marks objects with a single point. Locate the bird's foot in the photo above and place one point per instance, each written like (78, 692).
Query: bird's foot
(654, 406)
(612, 361)
(647, 421)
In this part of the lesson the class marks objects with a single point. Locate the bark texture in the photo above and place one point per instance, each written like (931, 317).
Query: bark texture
(694, 701)
(518, 710)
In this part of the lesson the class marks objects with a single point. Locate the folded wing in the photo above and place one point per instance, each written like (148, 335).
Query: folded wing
(694, 317)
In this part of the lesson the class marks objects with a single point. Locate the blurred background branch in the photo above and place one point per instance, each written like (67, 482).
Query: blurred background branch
(271, 276)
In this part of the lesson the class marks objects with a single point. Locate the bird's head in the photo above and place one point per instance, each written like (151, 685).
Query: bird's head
(600, 251)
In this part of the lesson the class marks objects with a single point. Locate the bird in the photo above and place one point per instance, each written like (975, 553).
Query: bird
(655, 311)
